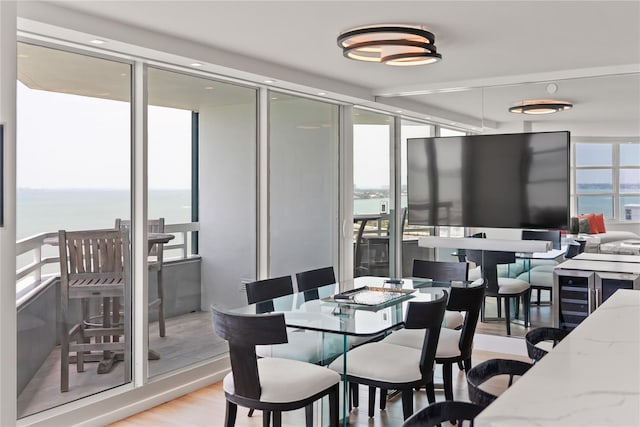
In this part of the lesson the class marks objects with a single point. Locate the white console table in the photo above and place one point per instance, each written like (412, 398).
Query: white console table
(591, 378)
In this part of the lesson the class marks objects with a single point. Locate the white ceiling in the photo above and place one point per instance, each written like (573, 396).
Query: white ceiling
(494, 53)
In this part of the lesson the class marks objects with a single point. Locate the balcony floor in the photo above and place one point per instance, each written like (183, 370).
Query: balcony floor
(189, 339)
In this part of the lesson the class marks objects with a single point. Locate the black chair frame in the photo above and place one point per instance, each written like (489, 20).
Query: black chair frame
(488, 261)
(243, 333)
(489, 369)
(261, 292)
(470, 301)
(309, 281)
(440, 271)
(425, 315)
(444, 412)
(537, 335)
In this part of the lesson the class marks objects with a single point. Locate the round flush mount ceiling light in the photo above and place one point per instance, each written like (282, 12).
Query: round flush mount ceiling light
(400, 45)
(540, 106)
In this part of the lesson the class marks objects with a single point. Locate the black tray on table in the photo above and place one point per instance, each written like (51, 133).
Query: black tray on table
(371, 296)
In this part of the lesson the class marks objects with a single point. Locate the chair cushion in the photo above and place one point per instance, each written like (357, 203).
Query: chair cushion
(475, 273)
(412, 338)
(535, 263)
(511, 270)
(381, 361)
(284, 380)
(452, 319)
(545, 267)
(538, 277)
(545, 345)
(512, 286)
(448, 343)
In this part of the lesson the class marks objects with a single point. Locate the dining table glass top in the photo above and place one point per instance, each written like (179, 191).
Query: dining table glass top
(317, 310)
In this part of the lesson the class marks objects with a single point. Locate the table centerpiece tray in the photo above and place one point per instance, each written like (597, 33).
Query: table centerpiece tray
(371, 296)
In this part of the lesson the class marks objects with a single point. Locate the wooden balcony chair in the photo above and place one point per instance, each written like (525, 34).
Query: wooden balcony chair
(94, 268)
(154, 263)
(269, 384)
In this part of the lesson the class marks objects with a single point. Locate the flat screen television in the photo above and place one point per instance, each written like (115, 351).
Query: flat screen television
(518, 180)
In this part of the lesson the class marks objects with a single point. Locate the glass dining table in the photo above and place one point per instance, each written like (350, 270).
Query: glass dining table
(343, 322)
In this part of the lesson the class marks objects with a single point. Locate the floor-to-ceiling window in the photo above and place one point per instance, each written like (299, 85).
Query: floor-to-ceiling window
(73, 173)
(411, 233)
(201, 176)
(303, 184)
(607, 179)
(372, 204)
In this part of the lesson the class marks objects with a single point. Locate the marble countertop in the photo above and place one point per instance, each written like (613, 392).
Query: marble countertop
(591, 378)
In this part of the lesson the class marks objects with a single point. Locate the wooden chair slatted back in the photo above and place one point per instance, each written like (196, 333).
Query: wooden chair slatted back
(153, 226)
(93, 253)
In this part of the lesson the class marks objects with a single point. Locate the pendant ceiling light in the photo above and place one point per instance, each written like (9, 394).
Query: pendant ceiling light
(401, 45)
(540, 106)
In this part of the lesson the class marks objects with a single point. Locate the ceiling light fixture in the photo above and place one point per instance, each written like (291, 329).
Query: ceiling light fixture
(97, 41)
(540, 106)
(400, 45)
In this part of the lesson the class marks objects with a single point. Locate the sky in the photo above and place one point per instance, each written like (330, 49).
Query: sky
(70, 141)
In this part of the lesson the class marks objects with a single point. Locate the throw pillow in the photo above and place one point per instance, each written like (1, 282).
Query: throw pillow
(593, 226)
(600, 223)
(583, 226)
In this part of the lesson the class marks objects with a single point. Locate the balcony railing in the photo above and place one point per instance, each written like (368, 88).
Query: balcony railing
(31, 278)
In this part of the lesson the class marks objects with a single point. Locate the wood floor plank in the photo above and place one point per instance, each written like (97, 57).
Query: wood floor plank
(205, 407)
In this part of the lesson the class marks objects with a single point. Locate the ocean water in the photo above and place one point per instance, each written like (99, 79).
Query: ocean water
(46, 210)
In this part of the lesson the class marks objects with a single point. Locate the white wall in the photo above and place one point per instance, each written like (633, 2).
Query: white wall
(8, 231)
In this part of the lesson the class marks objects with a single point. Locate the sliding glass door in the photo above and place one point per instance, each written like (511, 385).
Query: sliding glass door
(73, 173)
(303, 184)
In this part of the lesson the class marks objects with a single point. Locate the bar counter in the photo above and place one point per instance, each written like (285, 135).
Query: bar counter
(591, 378)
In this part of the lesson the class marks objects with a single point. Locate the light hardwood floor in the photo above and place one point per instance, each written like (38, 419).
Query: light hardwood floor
(189, 339)
(206, 407)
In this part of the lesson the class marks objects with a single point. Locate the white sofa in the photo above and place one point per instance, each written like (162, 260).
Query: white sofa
(595, 240)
